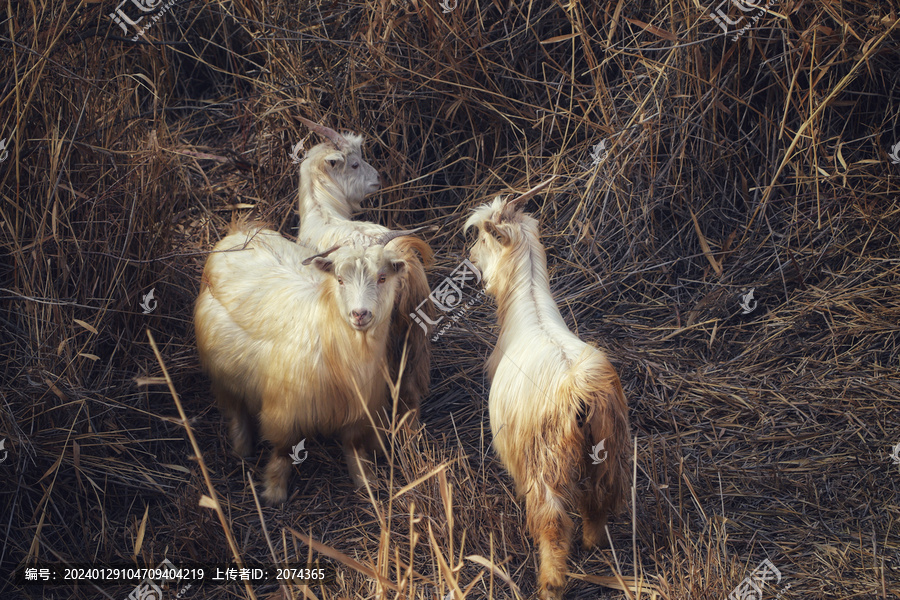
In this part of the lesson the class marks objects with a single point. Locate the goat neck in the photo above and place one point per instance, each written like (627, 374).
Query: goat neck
(321, 199)
(525, 304)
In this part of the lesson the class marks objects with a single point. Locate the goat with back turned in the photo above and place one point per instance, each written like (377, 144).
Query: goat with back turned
(553, 398)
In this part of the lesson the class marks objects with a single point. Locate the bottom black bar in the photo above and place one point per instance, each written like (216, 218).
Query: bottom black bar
(167, 572)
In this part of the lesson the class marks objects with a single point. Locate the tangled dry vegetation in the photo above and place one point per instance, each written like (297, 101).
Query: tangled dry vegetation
(721, 165)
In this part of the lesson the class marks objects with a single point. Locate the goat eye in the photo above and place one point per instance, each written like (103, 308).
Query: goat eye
(340, 280)
(355, 165)
(382, 278)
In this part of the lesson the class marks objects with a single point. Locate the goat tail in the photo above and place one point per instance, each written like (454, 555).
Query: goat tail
(606, 433)
(408, 328)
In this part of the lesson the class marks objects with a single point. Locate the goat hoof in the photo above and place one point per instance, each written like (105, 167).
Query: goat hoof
(274, 496)
(360, 479)
(243, 451)
(551, 592)
(594, 539)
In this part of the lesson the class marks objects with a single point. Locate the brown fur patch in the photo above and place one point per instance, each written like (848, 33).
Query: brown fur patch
(405, 332)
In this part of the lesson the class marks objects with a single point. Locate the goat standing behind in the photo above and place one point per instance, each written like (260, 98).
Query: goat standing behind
(553, 398)
(303, 349)
(334, 180)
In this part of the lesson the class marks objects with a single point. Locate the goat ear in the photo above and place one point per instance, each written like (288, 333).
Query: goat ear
(323, 264)
(398, 265)
(497, 232)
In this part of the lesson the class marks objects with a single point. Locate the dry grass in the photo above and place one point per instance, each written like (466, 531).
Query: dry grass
(728, 165)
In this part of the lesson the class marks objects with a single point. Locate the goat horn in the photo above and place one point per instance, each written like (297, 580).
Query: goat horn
(309, 260)
(532, 192)
(390, 235)
(339, 140)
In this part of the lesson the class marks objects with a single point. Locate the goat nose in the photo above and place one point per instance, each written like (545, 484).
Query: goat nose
(361, 314)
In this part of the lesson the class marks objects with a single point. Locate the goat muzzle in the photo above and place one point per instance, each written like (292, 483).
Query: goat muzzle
(360, 318)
